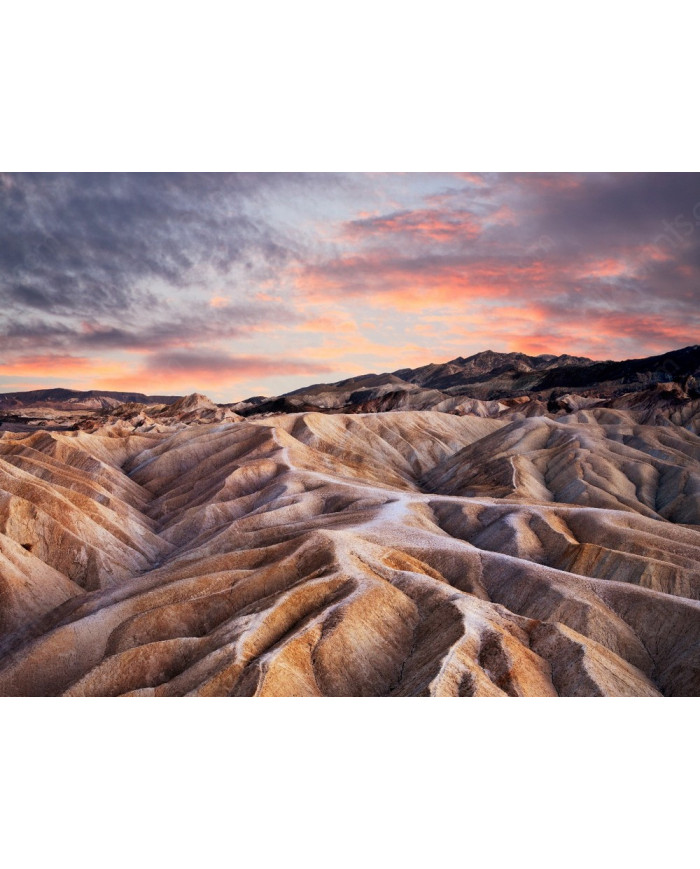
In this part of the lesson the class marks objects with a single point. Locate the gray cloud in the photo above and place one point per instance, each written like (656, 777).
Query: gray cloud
(204, 362)
(126, 261)
(89, 244)
(94, 244)
(204, 325)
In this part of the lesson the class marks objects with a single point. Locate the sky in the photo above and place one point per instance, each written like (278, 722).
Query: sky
(236, 285)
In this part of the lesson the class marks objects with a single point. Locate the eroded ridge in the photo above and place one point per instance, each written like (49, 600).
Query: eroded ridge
(402, 553)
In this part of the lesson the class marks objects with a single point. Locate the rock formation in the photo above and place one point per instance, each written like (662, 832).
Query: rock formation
(180, 549)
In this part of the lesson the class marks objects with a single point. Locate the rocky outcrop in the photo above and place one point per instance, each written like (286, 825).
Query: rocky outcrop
(127, 418)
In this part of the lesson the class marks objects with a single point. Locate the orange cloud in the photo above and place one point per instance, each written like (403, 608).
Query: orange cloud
(604, 268)
(218, 302)
(471, 178)
(57, 366)
(187, 370)
(269, 297)
(430, 224)
(328, 324)
(406, 286)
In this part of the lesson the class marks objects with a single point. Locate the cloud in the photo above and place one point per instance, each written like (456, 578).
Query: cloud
(90, 243)
(428, 224)
(148, 332)
(55, 365)
(219, 302)
(146, 271)
(115, 248)
(218, 365)
(589, 247)
(221, 375)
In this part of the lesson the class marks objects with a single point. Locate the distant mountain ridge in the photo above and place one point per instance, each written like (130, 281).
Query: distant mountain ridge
(71, 399)
(516, 370)
(488, 377)
(483, 384)
(472, 369)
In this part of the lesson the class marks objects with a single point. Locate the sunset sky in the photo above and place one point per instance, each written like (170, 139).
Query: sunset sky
(239, 285)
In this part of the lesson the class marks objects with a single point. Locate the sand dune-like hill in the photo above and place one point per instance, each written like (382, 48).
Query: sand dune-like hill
(183, 550)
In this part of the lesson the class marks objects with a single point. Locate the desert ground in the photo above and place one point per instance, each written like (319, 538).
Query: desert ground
(531, 545)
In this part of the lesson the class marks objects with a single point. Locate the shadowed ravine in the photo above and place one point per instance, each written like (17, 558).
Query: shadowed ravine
(403, 553)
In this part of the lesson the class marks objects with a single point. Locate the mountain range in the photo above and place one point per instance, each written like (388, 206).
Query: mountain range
(489, 376)
(449, 386)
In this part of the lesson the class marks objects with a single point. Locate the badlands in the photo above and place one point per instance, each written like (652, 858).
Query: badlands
(496, 526)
